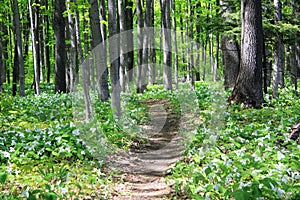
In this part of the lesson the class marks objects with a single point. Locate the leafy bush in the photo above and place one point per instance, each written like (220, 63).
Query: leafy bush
(242, 158)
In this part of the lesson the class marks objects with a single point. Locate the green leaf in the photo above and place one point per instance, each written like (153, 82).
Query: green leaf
(3, 178)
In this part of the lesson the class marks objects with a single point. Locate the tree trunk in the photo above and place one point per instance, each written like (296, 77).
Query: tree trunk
(2, 69)
(152, 50)
(141, 85)
(175, 45)
(123, 44)
(146, 39)
(36, 82)
(278, 76)
(19, 61)
(98, 52)
(231, 54)
(46, 46)
(73, 47)
(248, 88)
(129, 28)
(60, 46)
(191, 63)
(2, 60)
(114, 57)
(167, 40)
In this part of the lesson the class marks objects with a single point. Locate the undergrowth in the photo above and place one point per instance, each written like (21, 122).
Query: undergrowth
(240, 153)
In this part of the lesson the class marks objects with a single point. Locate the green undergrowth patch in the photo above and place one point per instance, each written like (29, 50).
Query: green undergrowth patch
(241, 153)
(54, 180)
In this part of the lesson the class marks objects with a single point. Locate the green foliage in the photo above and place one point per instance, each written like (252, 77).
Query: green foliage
(244, 159)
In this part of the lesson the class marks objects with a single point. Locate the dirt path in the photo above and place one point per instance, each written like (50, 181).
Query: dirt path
(144, 166)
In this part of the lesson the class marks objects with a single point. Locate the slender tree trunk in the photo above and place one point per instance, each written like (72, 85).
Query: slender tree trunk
(198, 44)
(114, 57)
(152, 51)
(104, 37)
(2, 58)
(19, 61)
(123, 44)
(278, 76)
(60, 46)
(167, 40)
(34, 51)
(191, 46)
(141, 85)
(216, 64)
(73, 47)
(47, 45)
(248, 88)
(129, 28)
(2, 71)
(175, 44)
(36, 18)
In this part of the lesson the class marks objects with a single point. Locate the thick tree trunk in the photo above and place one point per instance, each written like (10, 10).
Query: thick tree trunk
(248, 88)
(231, 55)
(167, 40)
(60, 46)
(114, 58)
(99, 52)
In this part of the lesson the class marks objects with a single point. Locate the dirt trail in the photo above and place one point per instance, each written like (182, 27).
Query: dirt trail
(144, 166)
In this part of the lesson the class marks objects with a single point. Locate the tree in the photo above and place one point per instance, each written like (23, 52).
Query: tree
(278, 76)
(167, 41)
(114, 57)
(60, 45)
(35, 51)
(248, 88)
(141, 84)
(230, 48)
(99, 52)
(72, 71)
(18, 72)
(129, 28)
(123, 43)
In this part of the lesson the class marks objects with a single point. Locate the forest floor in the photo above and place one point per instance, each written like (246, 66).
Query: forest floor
(143, 167)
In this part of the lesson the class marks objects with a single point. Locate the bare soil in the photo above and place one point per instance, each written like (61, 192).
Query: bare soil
(144, 166)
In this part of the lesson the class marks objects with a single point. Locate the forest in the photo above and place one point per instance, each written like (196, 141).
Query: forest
(149, 99)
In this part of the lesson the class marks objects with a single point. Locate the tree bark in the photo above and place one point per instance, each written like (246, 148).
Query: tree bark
(35, 52)
(60, 46)
(99, 52)
(114, 57)
(167, 40)
(19, 61)
(248, 88)
(141, 84)
(231, 54)
(123, 44)
(129, 28)
(175, 45)
(278, 76)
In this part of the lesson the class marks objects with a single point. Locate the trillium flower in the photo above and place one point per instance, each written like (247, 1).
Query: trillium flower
(280, 155)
